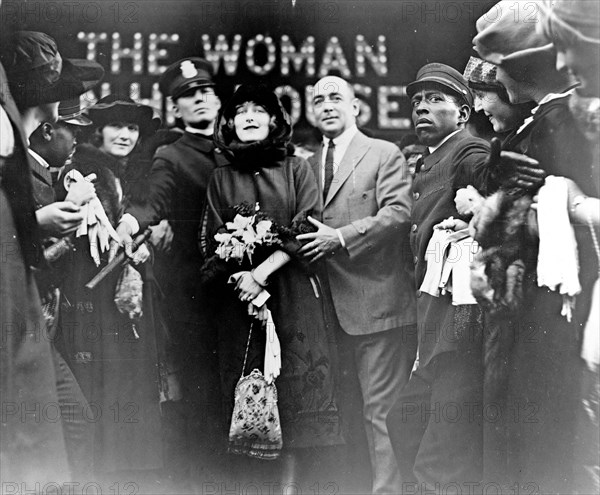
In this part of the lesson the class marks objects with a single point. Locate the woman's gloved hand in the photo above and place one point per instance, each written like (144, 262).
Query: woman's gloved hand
(514, 170)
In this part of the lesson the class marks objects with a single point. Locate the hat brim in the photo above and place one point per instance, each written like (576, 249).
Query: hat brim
(79, 120)
(521, 56)
(415, 86)
(102, 114)
(192, 85)
(77, 77)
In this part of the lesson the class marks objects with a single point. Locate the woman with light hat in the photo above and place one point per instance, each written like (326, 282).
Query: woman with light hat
(542, 370)
(574, 29)
(112, 334)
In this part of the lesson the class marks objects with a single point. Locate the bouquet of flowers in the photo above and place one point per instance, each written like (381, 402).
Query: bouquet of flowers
(250, 238)
(249, 230)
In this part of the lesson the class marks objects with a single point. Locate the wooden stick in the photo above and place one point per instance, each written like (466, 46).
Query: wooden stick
(118, 260)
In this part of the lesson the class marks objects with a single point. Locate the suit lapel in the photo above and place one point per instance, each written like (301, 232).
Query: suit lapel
(354, 154)
(315, 163)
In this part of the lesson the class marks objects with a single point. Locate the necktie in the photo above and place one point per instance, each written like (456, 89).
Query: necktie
(328, 168)
(421, 161)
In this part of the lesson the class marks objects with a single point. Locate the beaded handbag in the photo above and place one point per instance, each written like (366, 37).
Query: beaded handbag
(255, 428)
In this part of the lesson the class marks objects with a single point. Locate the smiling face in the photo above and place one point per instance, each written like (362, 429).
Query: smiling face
(335, 106)
(502, 115)
(119, 138)
(251, 122)
(198, 107)
(436, 114)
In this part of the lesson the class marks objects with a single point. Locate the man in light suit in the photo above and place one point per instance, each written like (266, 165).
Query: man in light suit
(364, 240)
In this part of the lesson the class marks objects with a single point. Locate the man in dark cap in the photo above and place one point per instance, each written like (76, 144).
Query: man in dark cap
(436, 446)
(176, 195)
(53, 144)
(39, 78)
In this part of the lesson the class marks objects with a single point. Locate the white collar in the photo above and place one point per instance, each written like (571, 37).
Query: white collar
(39, 159)
(546, 99)
(433, 148)
(193, 130)
(343, 140)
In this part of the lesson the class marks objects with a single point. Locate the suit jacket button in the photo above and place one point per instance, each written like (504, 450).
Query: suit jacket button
(416, 196)
(418, 293)
(361, 230)
(415, 260)
(414, 227)
(364, 195)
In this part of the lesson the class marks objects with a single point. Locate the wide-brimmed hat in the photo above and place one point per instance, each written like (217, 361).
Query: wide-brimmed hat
(116, 108)
(441, 75)
(37, 73)
(508, 34)
(70, 112)
(184, 75)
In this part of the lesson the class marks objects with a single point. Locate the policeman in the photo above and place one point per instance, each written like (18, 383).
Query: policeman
(176, 195)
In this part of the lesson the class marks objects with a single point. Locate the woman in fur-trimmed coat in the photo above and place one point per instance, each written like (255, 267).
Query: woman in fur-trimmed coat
(114, 352)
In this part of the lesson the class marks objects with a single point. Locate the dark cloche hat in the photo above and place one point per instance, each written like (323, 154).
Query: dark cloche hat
(184, 75)
(70, 112)
(37, 73)
(115, 108)
(443, 75)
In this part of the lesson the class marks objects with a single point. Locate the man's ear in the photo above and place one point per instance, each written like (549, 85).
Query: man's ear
(464, 114)
(176, 111)
(47, 131)
(355, 107)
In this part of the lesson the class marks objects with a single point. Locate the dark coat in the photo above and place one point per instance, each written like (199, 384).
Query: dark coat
(286, 190)
(114, 358)
(32, 449)
(459, 162)
(533, 370)
(176, 191)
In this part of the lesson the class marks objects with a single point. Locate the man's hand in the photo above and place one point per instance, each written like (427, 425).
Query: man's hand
(451, 224)
(59, 218)
(324, 242)
(514, 169)
(81, 192)
(141, 255)
(124, 232)
(162, 236)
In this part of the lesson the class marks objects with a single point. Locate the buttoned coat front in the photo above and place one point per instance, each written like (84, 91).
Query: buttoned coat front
(369, 200)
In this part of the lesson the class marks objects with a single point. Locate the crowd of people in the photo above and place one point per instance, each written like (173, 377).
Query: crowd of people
(435, 303)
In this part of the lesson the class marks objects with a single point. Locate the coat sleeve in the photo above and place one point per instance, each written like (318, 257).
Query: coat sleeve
(212, 220)
(307, 191)
(161, 188)
(472, 168)
(394, 201)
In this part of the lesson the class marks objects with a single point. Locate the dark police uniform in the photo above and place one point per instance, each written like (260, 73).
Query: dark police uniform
(176, 191)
